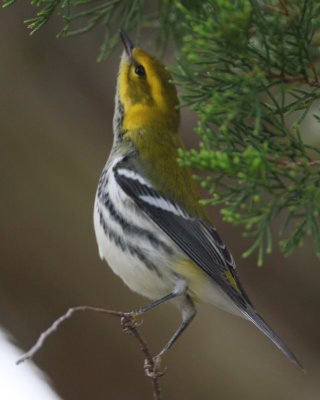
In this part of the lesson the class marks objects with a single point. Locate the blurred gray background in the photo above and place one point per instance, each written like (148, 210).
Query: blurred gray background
(56, 106)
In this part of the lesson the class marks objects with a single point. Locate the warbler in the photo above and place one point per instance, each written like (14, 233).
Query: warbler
(149, 225)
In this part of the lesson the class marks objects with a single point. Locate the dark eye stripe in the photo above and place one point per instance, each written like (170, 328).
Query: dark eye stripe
(139, 70)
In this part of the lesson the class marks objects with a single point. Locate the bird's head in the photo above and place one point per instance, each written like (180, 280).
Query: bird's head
(144, 90)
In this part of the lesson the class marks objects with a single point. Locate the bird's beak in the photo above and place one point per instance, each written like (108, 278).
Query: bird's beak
(127, 43)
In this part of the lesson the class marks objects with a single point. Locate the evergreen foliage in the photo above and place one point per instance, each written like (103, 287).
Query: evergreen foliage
(249, 68)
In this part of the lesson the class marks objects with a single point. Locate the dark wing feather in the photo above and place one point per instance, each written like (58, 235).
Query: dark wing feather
(230, 263)
(193, 236)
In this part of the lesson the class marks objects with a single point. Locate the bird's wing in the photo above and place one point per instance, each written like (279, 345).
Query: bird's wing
(196, 238)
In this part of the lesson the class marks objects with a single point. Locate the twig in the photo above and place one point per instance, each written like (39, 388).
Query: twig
(282, 10)
(151, 365)
(287, 163)
(291, 79)
(276, 9)
(129, 324)
(284, 7)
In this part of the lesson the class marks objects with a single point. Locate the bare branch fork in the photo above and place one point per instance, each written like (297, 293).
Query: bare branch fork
(129, 324)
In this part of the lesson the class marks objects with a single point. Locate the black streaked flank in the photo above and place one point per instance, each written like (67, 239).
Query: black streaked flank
(103, 180)
(128, 228)
(125, 246)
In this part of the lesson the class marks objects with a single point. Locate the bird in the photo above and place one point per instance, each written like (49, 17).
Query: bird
(150, 226)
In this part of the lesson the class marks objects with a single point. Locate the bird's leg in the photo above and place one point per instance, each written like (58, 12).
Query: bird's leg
(179, 289)
(129, 319)
(188, 313)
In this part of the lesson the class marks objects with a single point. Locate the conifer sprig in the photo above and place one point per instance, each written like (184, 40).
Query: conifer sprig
(250, 70)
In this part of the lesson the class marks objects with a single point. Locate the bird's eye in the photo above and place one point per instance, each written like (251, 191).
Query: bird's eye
(139, 70)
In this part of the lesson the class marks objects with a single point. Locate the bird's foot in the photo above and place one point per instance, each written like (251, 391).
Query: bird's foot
(152, 368)
(130, 320)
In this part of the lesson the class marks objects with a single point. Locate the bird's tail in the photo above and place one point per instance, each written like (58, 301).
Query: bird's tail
(255, 318)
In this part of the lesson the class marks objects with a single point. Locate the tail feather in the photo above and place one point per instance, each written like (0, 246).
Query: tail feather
(258, 321)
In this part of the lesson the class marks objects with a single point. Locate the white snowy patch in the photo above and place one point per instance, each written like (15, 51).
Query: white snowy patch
(25, 381)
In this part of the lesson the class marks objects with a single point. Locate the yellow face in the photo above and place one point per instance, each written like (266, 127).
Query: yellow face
(143, 84)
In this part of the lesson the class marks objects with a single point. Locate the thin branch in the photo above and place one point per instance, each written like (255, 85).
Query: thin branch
(284, 7)
(276, 9)
(129, 324)
(287, 163)
(291, 79)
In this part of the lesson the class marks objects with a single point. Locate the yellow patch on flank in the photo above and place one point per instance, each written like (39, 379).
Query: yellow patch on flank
(196, 279)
